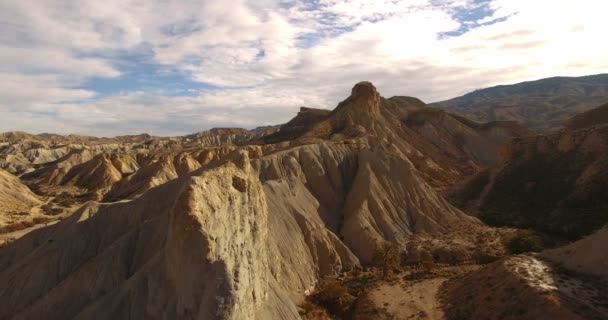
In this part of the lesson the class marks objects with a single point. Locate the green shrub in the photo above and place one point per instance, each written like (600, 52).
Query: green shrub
(524, 241)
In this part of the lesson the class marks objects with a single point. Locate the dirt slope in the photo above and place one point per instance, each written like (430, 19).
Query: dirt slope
(587, 256)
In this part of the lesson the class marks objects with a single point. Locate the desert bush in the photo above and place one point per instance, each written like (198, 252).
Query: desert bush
(334, 297)
(523, 241)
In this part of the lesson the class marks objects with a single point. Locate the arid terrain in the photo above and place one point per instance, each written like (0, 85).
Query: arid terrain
(382, 208)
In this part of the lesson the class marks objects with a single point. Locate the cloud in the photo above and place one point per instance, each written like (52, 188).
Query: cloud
(172, 67)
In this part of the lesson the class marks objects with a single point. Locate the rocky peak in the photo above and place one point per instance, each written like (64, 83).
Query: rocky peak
(365, 95)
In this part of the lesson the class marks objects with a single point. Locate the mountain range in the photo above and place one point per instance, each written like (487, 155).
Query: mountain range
(539, 105)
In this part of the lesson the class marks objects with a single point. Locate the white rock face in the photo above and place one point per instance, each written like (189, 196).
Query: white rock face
(217, 253)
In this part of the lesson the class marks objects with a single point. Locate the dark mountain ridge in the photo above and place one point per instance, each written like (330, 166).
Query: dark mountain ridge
(539, 105)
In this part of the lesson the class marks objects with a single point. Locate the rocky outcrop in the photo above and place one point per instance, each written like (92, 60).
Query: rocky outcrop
(54, 173)
(364, 196)
(157, 171)
(21, 152)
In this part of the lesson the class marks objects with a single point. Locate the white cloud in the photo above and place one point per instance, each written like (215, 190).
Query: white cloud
(272, 57)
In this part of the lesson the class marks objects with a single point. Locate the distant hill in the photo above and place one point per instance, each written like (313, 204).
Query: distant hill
(539, 105)
(593, 117)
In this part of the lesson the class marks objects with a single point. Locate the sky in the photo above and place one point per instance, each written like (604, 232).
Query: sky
(163, 67)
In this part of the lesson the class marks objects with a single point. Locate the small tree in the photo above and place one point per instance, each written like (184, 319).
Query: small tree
(427, 261)
(387, 258)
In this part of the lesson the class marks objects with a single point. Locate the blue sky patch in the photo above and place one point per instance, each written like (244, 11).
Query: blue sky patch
(140, 74)
(469, 18)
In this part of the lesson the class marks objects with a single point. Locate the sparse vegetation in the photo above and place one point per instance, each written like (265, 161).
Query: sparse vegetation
(523, 241)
